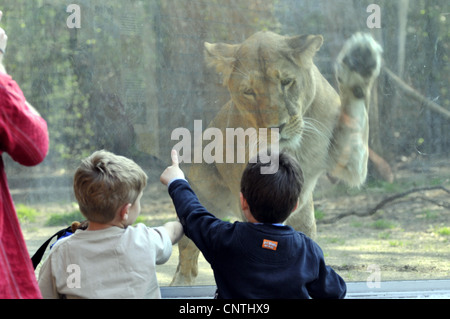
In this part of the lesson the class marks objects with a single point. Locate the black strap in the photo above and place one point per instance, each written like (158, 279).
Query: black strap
(36, 259)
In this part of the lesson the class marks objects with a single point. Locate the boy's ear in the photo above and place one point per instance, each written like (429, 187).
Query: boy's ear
(124, 211)
(243, 201)
(246, 209)
(296, 205)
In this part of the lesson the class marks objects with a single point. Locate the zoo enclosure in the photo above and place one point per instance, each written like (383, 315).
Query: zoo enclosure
(134, 71)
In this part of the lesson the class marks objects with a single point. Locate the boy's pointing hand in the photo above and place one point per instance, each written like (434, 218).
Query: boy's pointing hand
(172, 172)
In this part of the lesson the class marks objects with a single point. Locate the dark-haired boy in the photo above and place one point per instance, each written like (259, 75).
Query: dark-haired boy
(261, 258)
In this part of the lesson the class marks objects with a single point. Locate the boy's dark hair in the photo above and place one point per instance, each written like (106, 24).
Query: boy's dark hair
(272, 197)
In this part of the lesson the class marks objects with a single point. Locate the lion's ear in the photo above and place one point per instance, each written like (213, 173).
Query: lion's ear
(221, 56)
(304, 47)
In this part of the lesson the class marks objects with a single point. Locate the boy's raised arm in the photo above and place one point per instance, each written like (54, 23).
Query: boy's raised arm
(172, 172)
(175, 229)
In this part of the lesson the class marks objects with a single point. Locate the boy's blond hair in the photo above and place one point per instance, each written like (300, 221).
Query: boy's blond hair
(104, 182)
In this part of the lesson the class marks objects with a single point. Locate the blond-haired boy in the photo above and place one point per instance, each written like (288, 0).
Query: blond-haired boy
(111, 258)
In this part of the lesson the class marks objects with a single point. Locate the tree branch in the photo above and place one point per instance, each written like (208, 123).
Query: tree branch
(435, 202)
(384, 202)
(412, 93)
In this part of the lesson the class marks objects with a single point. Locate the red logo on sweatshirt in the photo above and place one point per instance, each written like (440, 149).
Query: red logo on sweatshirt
(270, 244)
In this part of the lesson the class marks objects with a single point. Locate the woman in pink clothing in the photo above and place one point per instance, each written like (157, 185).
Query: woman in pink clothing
(24, 136)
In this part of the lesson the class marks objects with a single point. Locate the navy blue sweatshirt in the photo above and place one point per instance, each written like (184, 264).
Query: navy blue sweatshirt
(256, 261)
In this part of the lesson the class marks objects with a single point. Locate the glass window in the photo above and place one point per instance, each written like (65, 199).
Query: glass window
(126, 76)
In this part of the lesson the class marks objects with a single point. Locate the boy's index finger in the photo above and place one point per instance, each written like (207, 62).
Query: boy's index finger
(174, 156)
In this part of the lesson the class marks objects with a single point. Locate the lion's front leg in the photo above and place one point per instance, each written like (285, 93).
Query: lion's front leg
(187, 269)
(302, 219)
(357, 67)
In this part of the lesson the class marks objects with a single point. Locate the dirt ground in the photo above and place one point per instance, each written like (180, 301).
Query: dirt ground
(408, 239)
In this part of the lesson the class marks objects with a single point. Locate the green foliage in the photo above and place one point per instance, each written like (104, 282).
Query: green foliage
(26, 213)
(384, 235)
(334, 240)
(382, 224)
(40, 59)
(431, 215)
(375, 186)
(140, 220)
(64, 219)
(443, 231)
(427, 44)
(319, 214)
(395, 243)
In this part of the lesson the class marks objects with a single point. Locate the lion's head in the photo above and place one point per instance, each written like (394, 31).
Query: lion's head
(270, 79)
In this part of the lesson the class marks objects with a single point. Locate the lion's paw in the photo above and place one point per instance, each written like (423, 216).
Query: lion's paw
(359, 63)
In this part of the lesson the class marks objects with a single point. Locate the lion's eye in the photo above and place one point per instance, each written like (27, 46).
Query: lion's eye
(287, 82)
(250, 92)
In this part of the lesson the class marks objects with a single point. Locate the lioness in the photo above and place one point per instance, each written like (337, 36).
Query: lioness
(274, 83)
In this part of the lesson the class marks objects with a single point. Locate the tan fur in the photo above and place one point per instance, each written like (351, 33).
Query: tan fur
(325, 131)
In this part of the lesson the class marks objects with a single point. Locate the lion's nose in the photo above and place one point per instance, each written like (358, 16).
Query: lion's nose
(280, 127)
